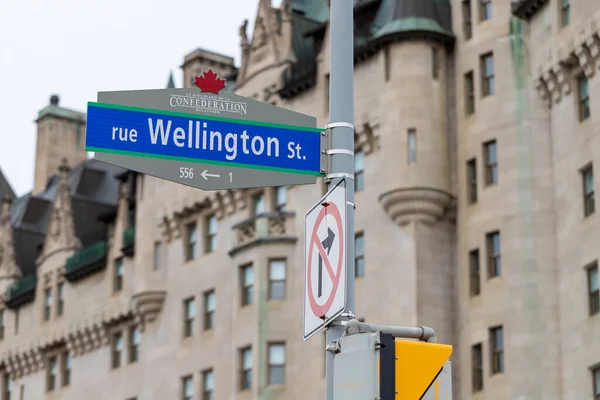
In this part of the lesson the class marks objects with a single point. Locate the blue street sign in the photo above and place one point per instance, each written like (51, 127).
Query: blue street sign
(213, 140)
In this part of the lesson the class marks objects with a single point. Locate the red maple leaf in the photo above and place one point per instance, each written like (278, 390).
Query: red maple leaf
(209, 82)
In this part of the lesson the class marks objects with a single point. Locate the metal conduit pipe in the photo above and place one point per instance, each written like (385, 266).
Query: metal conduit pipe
(423, 333)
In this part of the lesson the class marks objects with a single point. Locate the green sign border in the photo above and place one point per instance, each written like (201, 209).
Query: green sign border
(198, 160)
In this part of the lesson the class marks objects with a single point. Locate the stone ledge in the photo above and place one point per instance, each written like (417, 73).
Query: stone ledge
(25, 358)
(147, 305)
(416, 204)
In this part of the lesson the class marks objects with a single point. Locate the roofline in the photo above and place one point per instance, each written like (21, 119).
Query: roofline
(48, 111)
(364, 52)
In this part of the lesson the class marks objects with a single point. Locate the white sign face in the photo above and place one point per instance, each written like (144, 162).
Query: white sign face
(325, 261)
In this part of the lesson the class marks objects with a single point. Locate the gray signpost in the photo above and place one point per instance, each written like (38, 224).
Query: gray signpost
(341, 115)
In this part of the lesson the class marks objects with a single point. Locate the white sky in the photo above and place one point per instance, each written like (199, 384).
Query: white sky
(77, 48)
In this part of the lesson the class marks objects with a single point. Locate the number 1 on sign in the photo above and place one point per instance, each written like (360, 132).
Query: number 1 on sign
(231, 177)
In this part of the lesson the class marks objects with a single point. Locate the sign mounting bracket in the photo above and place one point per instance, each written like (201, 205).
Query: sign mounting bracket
(328, 150)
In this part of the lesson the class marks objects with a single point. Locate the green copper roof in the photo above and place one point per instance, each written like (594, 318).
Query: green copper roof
(410, 24)
(303, 46)
(396, 16)
(376, 21)
(316, 10)
(55, 111)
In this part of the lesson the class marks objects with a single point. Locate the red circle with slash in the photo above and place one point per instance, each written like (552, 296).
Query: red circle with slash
(335, 275)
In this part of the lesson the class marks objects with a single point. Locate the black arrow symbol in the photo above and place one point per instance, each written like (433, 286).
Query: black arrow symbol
(327, 244)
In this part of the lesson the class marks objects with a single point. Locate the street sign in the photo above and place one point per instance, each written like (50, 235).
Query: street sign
(205, 140)
(325, 263)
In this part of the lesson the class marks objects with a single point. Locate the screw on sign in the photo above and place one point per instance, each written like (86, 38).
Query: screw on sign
(323, 248)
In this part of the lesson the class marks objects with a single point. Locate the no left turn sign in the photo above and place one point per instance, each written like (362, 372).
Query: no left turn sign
(325, 261)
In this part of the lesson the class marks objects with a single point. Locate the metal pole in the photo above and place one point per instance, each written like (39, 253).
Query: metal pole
(341, 112)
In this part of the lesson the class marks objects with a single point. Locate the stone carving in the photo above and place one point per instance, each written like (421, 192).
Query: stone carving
(244, 34)
(582, 50)
(585, 60)
(8, 266)
(61, 234)
(366, 140)
(563, 83)
(260, 34)
(544, 93)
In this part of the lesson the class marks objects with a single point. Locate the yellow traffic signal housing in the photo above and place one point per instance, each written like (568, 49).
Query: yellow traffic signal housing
(408, 368)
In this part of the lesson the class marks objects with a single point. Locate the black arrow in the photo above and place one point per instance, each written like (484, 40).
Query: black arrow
(327, 244)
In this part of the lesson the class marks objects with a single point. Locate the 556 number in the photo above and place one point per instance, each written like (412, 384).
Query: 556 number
(187, 173)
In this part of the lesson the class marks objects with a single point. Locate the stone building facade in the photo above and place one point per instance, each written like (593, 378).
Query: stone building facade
(476, 142)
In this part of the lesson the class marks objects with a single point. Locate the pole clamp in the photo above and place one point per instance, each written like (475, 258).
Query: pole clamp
(330, 125)
(327, 151)
(339, 151)
(339, 175)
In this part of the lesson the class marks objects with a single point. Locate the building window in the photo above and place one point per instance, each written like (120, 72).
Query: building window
(157, 254)
(486, 10)
(467, 19)
(277, 270)
(493, 251)
(593, 288)
(47, 303)
(412, 145)
(565, 12)
(247, 279)
(7, 387)
(118, 278)
(117, 349)
(490, 157)
(497, 350)
(2, 323)
(469, 93)
(280, 198)
(386, 63)
(359, 254)
(589, 202)
(472, 180)
(187, 388)
(435, 61)
(210, 306)
(276, 371)
(475, 274)
(60, 299)
(487, 74)
(596, 382)
(258, 204)
(477, 367)
(66, 369)
(134, 343)
(584, 97)
(208, 384)
(246, 368)
(359, 171)
(191, 241)
(189, 314)
(17, 321)
(51, 374)
(211, 233)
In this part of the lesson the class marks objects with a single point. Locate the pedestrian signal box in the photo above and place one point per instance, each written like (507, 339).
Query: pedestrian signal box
(380, 366)
(409, 369)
